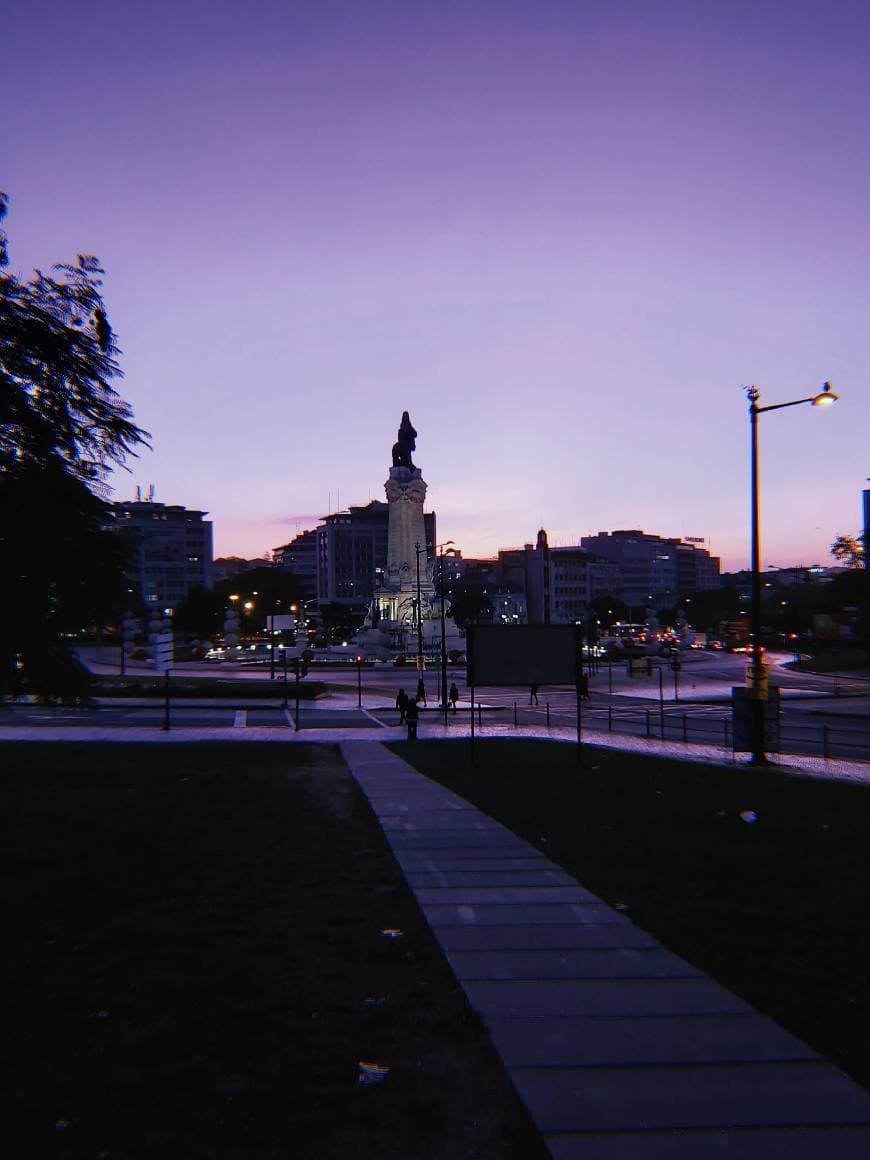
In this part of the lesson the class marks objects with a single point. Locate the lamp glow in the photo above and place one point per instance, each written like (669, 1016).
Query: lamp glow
(826, 397)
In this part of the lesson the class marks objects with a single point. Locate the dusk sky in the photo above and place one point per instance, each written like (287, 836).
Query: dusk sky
(562, 234)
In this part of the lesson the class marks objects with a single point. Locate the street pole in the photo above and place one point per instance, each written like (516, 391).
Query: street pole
(272, 646)
(759, 757)
(418, 549)
(443, 639)
(757, 686)
(578, 682)
(662, 701)
(359, 682)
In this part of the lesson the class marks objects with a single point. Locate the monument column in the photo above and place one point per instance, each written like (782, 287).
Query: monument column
(406, 494)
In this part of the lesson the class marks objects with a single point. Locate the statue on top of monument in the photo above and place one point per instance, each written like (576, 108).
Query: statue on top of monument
(406, 443)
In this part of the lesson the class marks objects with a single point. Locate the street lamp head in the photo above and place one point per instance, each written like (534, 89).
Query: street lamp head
(826, 397)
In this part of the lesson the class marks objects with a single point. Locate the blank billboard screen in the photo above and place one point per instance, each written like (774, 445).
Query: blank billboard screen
(523, 654)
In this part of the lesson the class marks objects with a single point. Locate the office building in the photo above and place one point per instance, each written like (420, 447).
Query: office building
(171, 549)
(654, 571)
(299, 558)
(352, 553)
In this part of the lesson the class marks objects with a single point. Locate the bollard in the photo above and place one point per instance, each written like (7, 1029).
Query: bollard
(479, 715)
(825, 752)
(548, 714)
(515, 713)
(648, 731)
(609, 718)
(685, 728)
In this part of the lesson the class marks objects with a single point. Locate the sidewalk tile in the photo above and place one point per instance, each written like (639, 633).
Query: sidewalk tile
(716, 1096)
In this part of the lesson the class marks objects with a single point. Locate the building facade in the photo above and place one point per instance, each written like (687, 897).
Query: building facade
(351, 553)
(170, 547)
(559, 583)
(652, 570)
(299, 558)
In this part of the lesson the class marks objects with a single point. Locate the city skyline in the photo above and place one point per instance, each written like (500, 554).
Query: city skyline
(563, 236)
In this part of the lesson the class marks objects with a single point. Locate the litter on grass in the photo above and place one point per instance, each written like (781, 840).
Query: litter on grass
(391, 932)
(749, 816)
(374, 1000)
(371, 1074)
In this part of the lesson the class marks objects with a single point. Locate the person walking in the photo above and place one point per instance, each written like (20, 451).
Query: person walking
(412, 715)
(453, 695)
(402, 705)
(421, 692)
(533, 694)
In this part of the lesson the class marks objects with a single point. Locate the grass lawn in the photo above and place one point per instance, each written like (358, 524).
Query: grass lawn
(195, 965)
(776, 909)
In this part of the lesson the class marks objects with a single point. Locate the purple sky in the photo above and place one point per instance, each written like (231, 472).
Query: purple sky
(561, 233)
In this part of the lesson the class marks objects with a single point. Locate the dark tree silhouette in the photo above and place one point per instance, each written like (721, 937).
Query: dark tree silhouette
(848, 550)
(62, 429)
(470, 606)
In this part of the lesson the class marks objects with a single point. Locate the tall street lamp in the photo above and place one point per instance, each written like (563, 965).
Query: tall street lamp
(418, 550)
(757, 686)
(441, 548)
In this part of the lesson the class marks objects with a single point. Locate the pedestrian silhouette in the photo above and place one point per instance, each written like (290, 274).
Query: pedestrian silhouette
(533, 694)
(402, 705)
(421, 692)
(454, 696)
(412, 715)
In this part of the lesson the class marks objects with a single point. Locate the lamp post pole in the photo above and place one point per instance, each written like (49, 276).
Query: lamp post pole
(272, 645)
(759, 756)
(757, 687)
(441, 548)
(418, 549)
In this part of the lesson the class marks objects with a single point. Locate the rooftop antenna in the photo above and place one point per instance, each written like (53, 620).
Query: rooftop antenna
(138, 493)
(151, 493)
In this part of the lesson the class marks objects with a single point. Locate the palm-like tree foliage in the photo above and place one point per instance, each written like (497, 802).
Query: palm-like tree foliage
(62, 428)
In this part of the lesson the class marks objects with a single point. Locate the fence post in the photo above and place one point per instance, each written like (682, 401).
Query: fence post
(515, 714)
(648, 733)
(609, 718)
(479, 715)
(825, 751)
(725, 730)
(548, 714)
(685, 728)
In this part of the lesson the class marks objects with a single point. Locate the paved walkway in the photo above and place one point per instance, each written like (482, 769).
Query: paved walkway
(704, 754)
(620, 1049)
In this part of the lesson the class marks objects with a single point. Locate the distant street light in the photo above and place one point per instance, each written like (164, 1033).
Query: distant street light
(757, 687)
